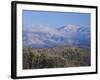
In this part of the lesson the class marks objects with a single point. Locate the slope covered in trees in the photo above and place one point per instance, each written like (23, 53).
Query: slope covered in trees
(58, 57)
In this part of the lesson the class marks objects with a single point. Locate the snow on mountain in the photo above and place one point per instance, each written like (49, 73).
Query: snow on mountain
(43, 36)
(70, 28)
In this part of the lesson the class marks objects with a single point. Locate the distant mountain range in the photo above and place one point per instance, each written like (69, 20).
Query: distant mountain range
(47, 37)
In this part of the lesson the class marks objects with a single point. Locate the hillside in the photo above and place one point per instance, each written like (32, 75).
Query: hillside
(62, 56)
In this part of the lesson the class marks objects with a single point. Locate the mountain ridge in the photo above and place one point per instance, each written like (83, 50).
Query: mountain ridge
(41, 37)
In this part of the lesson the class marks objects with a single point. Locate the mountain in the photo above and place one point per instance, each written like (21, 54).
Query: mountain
(78, 35)
(46, 37)
(69, 28)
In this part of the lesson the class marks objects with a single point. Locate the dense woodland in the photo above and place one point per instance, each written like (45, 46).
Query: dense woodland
(62, 56)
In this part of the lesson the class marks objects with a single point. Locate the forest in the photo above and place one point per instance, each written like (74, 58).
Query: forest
(57, 57)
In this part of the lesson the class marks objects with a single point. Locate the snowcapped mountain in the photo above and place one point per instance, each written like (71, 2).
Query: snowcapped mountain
(69, 28)
(44, 37)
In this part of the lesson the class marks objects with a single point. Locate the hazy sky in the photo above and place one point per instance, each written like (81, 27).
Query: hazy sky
(54, 19)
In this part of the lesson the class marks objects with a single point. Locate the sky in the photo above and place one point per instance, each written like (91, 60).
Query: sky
(32, 18)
